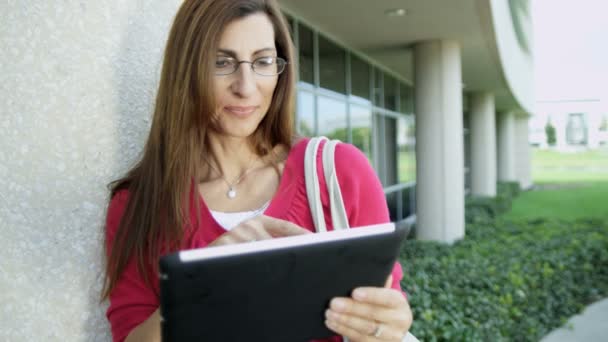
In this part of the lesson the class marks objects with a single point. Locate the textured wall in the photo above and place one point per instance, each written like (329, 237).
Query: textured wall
(77, 80)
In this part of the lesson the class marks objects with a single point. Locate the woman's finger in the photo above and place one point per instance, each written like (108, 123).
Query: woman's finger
(389, 281)
(363, 326)
(279, 228)
(367, 311)
(386, 297)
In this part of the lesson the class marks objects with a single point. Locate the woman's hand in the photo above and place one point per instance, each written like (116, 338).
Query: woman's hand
(372, 314)
(259, 228)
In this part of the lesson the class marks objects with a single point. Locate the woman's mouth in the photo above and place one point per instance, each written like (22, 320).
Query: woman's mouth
(240, 110)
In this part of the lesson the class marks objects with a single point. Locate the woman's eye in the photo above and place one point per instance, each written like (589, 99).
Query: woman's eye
(265, 61)
(223, 63)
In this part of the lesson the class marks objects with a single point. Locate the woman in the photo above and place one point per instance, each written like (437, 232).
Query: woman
(221, 166)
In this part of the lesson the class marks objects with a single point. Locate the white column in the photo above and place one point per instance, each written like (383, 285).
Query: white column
(439, 141)
(483, 145)
(506, 146)
(523, 167)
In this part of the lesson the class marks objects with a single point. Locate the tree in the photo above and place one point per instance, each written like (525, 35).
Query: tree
(550, 132)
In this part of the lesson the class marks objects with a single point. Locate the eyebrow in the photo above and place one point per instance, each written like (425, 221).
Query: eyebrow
(232, 53)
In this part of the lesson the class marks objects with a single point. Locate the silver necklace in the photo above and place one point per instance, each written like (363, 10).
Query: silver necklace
(231, 193)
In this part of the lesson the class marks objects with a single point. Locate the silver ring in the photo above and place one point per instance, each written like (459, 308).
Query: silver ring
(378, 330)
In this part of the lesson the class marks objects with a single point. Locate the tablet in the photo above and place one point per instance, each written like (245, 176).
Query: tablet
(271, 290)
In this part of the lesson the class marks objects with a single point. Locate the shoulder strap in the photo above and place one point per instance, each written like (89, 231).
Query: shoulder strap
(313, 192)
(336, 203)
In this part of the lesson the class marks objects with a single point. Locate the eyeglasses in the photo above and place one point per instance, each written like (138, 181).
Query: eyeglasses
(263, 66)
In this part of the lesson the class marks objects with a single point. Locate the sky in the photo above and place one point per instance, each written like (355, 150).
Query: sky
(570, 49)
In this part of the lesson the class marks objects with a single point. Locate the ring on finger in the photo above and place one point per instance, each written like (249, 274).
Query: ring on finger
(378, 331)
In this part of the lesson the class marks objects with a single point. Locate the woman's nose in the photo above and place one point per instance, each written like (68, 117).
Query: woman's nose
(244, 83)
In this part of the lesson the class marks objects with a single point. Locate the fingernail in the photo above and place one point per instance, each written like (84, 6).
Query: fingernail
(332, 316)
(338, 304)
(359, 294)
(330, 324)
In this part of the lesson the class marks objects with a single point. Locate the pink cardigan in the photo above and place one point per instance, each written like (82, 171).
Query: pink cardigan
(132, 302)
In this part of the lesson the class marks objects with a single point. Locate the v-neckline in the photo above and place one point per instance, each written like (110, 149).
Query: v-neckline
(273, 209)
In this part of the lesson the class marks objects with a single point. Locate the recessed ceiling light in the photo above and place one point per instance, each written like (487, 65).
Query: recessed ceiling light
(396, 12)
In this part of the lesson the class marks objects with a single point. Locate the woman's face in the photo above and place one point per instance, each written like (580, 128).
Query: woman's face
(243, 97)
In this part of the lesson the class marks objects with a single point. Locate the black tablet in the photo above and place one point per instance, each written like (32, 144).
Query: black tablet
(271, 290)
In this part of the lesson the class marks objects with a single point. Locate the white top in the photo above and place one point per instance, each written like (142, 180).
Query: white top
(231, 220)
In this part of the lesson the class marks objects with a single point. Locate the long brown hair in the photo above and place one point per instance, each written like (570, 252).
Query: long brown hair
(159, 185)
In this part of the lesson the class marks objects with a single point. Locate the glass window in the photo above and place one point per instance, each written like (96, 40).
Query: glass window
(406, 99)
(332, 118)
(306, 54)
(360, 78)
(291, 24)
(332, 66)
(361, 127)
(385, 143)
(306, 114)
(394, 207)
(389, 146)
(406, 138)
(390, 92)
(377, 91)
(408, 197)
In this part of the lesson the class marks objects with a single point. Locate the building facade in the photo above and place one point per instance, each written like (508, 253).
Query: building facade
(570, 125)
(437, 95)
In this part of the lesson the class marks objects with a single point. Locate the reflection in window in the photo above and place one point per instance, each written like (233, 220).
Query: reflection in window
(389, 148)
(406, 145)
(360, 78)
(332, 66)
(385, 135)
(306, 54)
(305, 123)
(361, 125)
(390, 92)
(332, 118)
(377, 90)
(406, 99)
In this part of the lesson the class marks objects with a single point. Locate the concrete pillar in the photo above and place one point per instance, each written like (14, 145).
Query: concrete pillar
(523, 168)
(506, 146)
(439, 141)
(483, 145)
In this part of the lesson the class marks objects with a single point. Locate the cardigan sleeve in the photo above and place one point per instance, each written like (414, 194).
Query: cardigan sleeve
(131, 301)
(363, 194)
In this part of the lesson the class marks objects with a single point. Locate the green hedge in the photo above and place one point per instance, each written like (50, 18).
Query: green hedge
(507, 281)
(481, 209)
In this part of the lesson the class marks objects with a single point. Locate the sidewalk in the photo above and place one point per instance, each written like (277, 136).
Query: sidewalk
(590, 326)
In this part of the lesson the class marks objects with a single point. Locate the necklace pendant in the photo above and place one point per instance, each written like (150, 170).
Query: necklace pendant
(231, 193)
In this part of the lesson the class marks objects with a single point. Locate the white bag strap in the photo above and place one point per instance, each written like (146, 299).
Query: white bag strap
(336, 203)
(313, 192)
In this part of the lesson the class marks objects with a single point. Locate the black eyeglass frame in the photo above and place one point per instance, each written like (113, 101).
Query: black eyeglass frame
(280, 62)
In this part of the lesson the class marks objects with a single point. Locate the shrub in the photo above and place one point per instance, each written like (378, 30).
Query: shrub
(550, 132)
(507, 280)
(481, 209)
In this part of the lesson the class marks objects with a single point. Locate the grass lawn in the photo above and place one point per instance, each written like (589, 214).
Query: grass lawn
(550, 166)
(568, 201)
(568, 186)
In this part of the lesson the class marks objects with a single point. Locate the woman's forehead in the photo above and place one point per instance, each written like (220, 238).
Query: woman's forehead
(249, 35)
